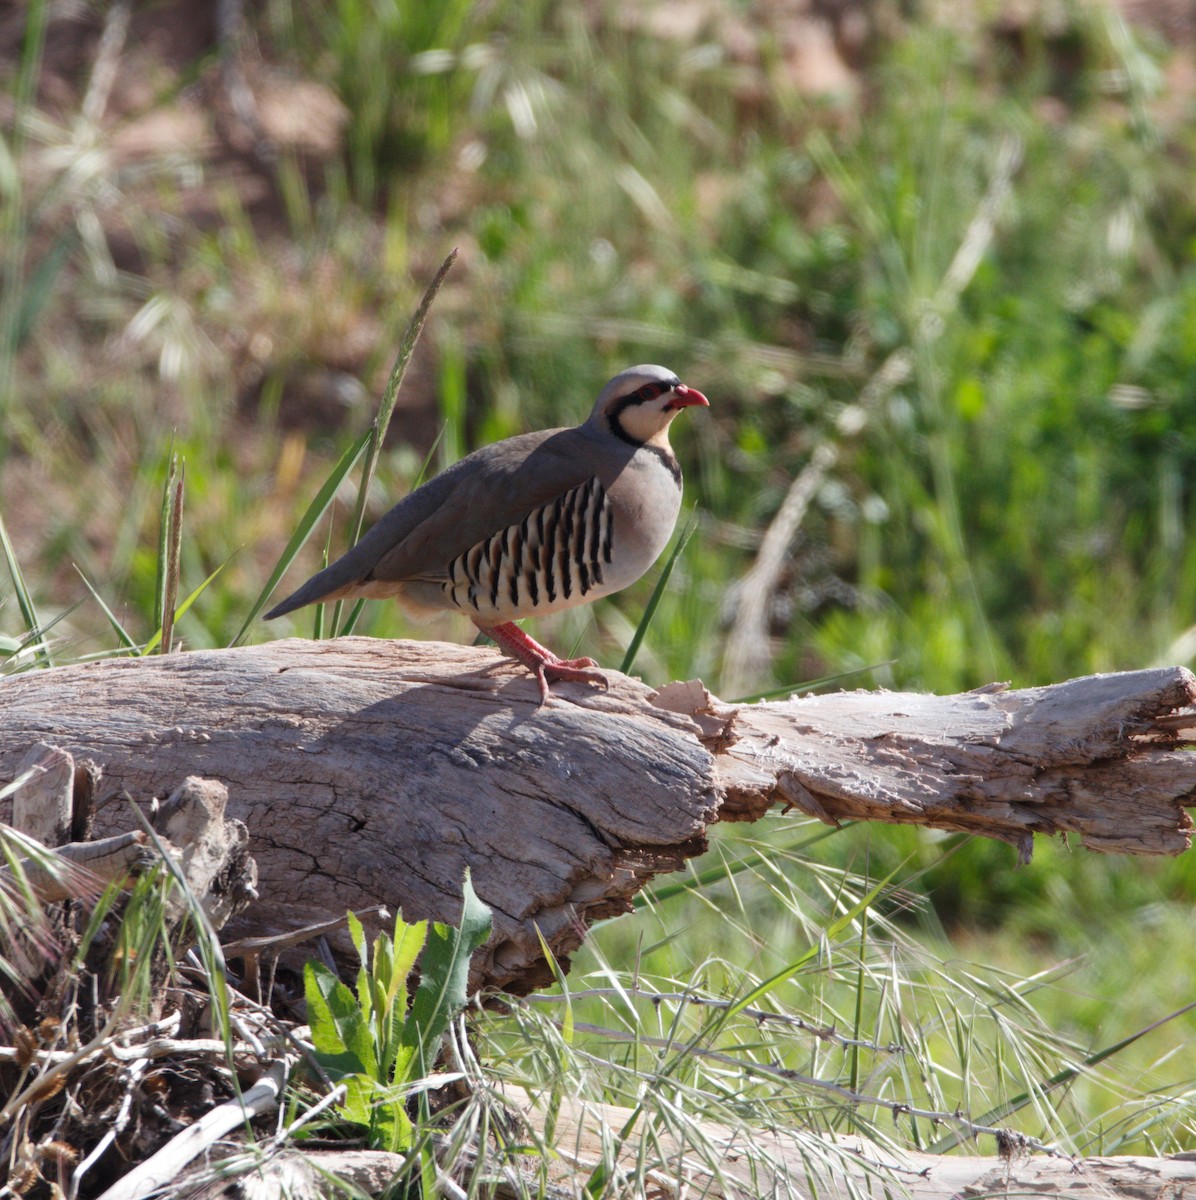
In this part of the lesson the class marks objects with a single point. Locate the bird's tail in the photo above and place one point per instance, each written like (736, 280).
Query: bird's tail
(330, 584)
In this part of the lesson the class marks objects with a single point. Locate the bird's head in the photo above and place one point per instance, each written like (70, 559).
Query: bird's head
(638, 405)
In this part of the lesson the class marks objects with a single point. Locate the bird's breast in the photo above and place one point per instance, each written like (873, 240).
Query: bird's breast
(645, 499)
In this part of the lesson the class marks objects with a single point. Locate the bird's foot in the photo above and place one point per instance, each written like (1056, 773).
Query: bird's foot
(541, 661)
(571, 670)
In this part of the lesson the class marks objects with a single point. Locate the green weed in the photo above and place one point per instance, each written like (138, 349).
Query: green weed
(381, 1048)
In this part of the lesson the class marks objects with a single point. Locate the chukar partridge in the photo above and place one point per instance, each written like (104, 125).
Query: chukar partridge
(530, 525)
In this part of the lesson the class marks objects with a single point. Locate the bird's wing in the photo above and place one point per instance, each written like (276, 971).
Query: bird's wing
(488, 491)
(496, 488)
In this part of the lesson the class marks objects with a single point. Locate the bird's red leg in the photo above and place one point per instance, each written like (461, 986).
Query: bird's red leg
(541, 661)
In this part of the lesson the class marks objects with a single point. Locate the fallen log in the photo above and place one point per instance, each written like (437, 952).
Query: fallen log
(721, 1162)
(373, 772)
(718, 1161)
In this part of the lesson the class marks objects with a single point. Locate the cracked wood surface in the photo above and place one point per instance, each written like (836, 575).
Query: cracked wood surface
(374, 772)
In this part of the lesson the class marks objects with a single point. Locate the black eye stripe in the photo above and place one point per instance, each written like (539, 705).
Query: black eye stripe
(648, 391)
(642, 394)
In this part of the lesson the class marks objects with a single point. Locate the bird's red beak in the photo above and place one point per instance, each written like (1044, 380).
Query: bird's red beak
(687, 397)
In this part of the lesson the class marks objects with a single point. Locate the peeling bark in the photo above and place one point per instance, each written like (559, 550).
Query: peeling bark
(1099, 756)
(210, 852)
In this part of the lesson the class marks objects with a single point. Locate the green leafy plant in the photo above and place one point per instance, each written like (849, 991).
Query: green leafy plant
(369, 1039)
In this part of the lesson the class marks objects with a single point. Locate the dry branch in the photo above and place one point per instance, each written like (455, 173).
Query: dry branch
(372, 772)
(156, 1173)
(1097, 756)
(719, 1161)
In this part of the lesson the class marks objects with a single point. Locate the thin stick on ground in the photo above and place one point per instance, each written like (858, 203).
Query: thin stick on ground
(159, 1170)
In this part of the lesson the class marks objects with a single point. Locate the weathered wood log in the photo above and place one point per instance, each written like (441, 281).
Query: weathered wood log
(210, 852)
(1101, 756)
(375, 772)
(720, 1161)
(736, 1163)
(43, 805)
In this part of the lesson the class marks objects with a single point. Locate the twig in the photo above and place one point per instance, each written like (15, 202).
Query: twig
(446, 1186)
(164, 1028)
(89, 865)
(164, 1166)
(335, 1096)
(123, 1046)
(43, 1082)
(252, 949)
(293, 937)
(164, 1047)
(247, 1034)
(131, 1077)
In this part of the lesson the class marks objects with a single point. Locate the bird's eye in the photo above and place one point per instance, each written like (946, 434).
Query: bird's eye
(649, 391)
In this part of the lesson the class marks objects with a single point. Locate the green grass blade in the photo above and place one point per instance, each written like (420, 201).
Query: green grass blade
(861, 990)
(421, 474)
(40, 288)
(311, 518)
(174, 550)
(390, 396)
(24, 599)
(353, 617)
(207, 941)
(386, 409)
(1060, 1078)
(453, 396)
(121, 633)
(317, 625)
(704, 878)
(654, 600)
(810, 685)
(159, 614)
(831, 932)
(600, 1177)
(14, 235)
(37, 638)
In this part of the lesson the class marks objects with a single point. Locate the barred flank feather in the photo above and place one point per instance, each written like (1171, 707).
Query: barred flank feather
(557, 549)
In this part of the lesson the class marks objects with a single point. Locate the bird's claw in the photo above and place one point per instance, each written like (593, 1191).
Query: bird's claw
(568, 670)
